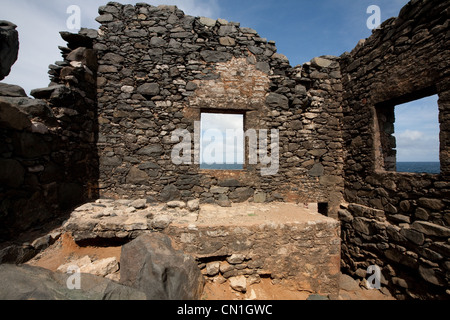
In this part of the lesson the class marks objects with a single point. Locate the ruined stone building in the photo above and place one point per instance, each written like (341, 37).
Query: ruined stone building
(103, 129)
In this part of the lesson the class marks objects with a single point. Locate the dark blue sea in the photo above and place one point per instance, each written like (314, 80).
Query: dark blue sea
(412, 167)
(419, 167)
(205, 166)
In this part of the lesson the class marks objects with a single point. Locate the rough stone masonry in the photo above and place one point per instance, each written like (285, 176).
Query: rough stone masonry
(103, 129)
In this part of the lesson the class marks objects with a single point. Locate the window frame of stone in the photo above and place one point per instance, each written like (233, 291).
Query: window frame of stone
(244, 128)
(384, 129)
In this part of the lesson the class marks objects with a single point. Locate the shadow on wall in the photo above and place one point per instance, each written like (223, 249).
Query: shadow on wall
(48, 155)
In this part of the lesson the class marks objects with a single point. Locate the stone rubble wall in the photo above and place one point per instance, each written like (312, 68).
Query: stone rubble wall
(159, 69)
(301, 256)
(48, 156)
(103, 129)
(398, 221)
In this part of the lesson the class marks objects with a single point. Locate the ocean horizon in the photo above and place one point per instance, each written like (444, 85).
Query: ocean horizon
(410, 167)
(419, 167)
(223, 166)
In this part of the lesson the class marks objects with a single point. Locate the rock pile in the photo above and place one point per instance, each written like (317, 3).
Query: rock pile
(106, 268)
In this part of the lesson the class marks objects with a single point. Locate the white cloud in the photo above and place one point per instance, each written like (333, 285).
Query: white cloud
(410, 135)
(417, 130)
(416, 146)
(222, 138)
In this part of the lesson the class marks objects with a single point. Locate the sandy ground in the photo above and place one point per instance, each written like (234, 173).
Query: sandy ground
(66, 250)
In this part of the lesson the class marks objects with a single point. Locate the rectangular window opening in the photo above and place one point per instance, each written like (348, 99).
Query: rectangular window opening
(409, 135)
(222, 141)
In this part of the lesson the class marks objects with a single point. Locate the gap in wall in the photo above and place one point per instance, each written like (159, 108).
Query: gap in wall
(417, 136)
(222, 141)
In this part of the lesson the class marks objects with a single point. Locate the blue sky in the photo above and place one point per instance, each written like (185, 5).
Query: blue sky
(302, 29)
(417, 130)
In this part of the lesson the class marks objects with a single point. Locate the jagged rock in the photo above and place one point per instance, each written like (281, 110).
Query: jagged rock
(431, 229)
(10, 90)
(44, 242)
(277, 100)
(238, 284)
(76, 40)
(32, 107)
(193, 205)
(170, 193)
(212, 268)
(215, 56)
(149, 89)
(347, 283)
(12, 117)
(139, 204)
(9, 47)
(321, 62)
(34, 283)
(161, 222)
(16, 254)
(176, 204)
(56, 94)
(101, 268)
(90, 33)
(236, 259)
(80, 263)
(260, 197)
(207, 21)
(136, 176)
(317, 170)
(241, 194)
(150, 264)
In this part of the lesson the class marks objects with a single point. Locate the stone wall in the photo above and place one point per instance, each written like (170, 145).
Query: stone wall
(104, 126)
(303, 256)
(287, 243)
(159, 69)
(398, 221)
(48, 156)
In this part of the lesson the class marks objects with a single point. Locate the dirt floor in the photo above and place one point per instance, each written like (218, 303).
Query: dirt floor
(66, 250)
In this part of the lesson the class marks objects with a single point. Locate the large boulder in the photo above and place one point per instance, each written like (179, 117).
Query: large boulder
(9, 47)
(10, 90)
(151, 265)
(33, 283)
(32, 107)
(12, 116)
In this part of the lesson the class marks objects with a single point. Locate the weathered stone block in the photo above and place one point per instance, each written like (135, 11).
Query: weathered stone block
(149, 89)
(215, 56)
(137, 176)
(431, 229)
